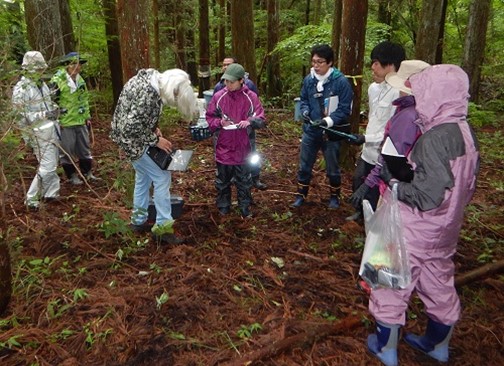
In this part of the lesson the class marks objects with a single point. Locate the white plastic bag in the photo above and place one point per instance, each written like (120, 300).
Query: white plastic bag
(385, 260)
(368, 212)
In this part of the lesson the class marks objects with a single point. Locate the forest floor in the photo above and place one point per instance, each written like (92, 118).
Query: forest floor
(277, 289)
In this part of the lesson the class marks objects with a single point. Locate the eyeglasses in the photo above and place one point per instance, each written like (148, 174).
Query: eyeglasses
(319, 61)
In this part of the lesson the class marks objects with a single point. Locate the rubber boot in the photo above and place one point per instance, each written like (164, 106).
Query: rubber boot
(256, 182)
(434, 342)
(69, 170)
(85, 167)
(75, 180)
(334, 199)
(302, 192)
(383, 343)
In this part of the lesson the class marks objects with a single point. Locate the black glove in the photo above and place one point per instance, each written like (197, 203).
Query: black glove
(359, 139)
(320, 123)
(358, 196)
(256, 122)
(52, 115)
(385, 173)
(306, 116)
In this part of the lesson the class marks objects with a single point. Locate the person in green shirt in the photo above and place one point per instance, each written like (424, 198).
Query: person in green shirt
(71, 94)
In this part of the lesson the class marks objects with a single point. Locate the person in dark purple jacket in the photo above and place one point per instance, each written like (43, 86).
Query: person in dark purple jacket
(256, 169)
(231, 114)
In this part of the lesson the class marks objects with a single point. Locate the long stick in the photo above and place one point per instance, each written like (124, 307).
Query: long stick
(339, 133)
(301, 339)
(484, 271)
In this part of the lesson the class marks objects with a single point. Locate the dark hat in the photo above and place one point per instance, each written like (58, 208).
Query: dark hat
(73, 57)
(234, 72)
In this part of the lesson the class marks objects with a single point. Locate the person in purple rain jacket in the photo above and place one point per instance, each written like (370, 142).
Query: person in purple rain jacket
(445, 161)
(231, 113)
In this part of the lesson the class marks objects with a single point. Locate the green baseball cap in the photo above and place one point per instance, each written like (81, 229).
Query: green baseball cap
(234, 72)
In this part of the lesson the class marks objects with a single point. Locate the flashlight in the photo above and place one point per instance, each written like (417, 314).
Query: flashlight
(254, 159)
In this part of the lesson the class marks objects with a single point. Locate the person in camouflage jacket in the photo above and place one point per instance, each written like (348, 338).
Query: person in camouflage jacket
(135, 129)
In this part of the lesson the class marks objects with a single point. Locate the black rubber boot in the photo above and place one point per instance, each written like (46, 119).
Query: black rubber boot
(302, 193)
(256, 182)
(69, 170)
(334, 199)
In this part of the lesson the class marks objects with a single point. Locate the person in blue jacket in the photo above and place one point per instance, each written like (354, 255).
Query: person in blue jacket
(325, 104)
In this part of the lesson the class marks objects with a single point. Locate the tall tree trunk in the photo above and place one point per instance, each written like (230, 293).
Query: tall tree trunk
(430, 24)
(43, 25)
(336, 30)
(5, 275)
(113, 47)
(475, 43)
(440, 46)
(242, 32)
(317, 9)
(66, 26)
(307, 21)
(180, 39)
(134, 36)
(221, 50)
(384, 13)
(352, 56)
(155, 33)
(204, 48)
(274, 87)
(192, 65)
(16, 38)
(307, 12)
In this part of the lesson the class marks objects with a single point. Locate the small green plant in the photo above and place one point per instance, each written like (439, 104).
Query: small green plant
(155, 268)
(79, 294)
(113, 225)
(161, 300)
(325, 315)
(245, 332)
(132, 247)
(177, 336)
(11, 342)
(67, 217)
(55, 309)
(61, 336)
(282, 217)
(91, 337)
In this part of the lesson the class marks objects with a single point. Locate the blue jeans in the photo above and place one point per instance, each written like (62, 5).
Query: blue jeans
(310, 145)
(147, 173)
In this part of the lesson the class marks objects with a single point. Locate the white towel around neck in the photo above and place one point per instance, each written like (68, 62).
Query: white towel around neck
(321, 78)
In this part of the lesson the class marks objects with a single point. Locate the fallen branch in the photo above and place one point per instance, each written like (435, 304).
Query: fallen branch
(298, 340)
(476, 274)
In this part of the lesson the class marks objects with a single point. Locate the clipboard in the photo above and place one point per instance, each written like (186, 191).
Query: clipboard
(180, 160)
(177, 160)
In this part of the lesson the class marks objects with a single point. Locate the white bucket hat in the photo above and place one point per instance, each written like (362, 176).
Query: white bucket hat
(407, 68)
(33, 60)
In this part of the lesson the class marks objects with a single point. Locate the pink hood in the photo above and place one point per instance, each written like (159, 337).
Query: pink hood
(441, 93)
